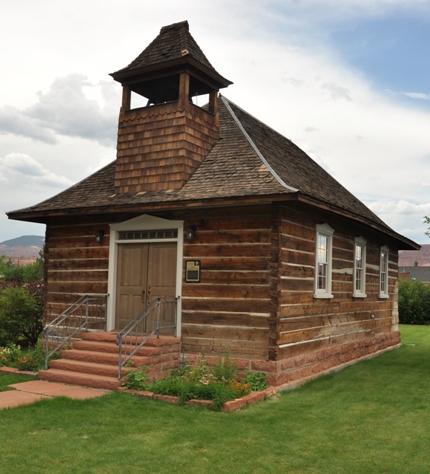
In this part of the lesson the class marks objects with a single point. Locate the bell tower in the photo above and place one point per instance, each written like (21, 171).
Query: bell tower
(161, 144)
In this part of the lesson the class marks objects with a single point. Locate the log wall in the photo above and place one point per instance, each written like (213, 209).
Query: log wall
(307, 324)
(75, 265)
(230, 310)
(256, 299)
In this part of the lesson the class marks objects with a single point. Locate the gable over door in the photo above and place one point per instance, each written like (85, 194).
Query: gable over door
(146, 271)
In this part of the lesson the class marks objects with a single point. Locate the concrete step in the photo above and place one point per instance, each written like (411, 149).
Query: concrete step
(85, 367)
(107, 358)
(78, 378)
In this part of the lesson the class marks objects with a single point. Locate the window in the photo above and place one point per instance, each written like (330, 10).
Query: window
(383, 273)
(359, 268)
(323, 264)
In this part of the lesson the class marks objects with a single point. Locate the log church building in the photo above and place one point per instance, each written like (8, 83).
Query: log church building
(265, 255)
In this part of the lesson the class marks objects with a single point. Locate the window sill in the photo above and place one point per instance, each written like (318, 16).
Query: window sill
(323, 296)
(383, 296)
(359, 295)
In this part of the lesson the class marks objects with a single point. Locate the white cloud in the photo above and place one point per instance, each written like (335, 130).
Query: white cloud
(20, 169)
(65, 109)
(337, 92)
(383, 206)
(417, 95)
(17, 122)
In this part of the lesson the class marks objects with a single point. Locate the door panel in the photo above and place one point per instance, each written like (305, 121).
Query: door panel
(131, 282)
(162, 270)
(145, 272)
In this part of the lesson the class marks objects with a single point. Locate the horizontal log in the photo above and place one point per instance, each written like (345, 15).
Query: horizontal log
(299, 272)
(73, 276)
(248, 305)
(230, 250)
(79, 241)
(301, 335)
(236, 277)
(294, 324)
(77, 287)
(290, 298)
(78, 264)
(221, 333)
(291, 213)
(234, 263)
(246, 349)
(347, 328)
(232, 237)
(78, 253)
(60, 234)
(250, 222)
(224, 319)
(344, 255)
(295, 243)
(300, 349)
(229, 212)
(297, 257)
(292, 229)
(364, 309)
(224, 291)
(294, 284)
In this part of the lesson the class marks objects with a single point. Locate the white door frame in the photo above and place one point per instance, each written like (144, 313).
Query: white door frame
(142, 223)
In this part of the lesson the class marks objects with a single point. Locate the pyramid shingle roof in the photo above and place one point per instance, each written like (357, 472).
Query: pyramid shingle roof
(173, 44)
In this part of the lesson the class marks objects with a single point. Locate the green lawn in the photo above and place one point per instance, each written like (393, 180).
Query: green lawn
(370, 418)
(9, 379)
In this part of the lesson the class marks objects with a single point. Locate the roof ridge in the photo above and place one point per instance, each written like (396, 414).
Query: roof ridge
(254, 146)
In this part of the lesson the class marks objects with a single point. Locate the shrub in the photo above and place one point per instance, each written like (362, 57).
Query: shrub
(20, 316)
(31, 359)
(137, 379)
(218, 383)
(225, 371)
(257, 380)
(9, 355)
(414, 302)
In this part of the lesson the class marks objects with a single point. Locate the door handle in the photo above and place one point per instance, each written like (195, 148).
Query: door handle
(143, 296)
(149, 292)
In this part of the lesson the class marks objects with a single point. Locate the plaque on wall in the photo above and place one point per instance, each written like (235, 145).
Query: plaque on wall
(193, 271)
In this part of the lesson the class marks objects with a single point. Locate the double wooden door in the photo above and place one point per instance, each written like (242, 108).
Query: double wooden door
(145, 272)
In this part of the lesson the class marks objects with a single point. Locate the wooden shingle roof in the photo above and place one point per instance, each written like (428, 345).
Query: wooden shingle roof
(251, 161)
(173, 45)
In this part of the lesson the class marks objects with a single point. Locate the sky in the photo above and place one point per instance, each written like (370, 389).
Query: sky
(347, 81)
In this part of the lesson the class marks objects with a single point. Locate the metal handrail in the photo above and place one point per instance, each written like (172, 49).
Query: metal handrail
(87, 311)
(159, 314)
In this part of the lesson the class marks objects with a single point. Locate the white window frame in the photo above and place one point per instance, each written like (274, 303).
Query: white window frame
(359, 247)
(383, 272)
(326, 232)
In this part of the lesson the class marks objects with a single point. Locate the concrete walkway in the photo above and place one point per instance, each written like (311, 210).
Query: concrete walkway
(29, 392)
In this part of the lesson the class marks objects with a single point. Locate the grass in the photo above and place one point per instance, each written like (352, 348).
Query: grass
(369, 418)
(9, 379)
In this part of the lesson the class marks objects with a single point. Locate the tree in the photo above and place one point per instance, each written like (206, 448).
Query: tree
(20, 316)
(414, 302)
(427, 221)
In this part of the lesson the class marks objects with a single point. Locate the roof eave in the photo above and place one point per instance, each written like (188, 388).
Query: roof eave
(406, 244)
(44, 216)
(127, 75)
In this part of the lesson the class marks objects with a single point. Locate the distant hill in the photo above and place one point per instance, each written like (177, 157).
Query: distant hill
(24, 247)
(407, 258)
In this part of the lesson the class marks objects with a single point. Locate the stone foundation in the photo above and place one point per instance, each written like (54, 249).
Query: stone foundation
(304, 367)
